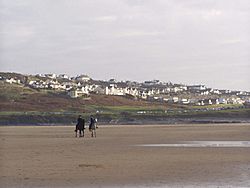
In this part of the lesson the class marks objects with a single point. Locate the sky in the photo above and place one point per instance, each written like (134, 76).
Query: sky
(182, 41)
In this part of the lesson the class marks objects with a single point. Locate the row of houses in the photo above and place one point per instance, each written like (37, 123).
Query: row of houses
(148, 87)
(13, 80)
(150, 90)
(198, 102)
(152, 95)
(51, 84)
(82, 78)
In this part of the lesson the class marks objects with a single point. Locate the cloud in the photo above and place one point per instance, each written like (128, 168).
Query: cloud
(211, 14)
(14, 35)
(231, 41)
(169, 34)
(138, 33)
(106, 18)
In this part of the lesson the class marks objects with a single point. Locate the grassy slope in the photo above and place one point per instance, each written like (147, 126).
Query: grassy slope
(17, 98)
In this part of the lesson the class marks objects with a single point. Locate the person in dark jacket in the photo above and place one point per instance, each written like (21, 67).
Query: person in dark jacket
(80, 126)
(93, 126)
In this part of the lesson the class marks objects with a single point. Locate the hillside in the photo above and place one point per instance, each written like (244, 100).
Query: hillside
(19, 98)
(23, 105)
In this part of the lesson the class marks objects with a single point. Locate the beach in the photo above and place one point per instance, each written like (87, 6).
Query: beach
(126, 156)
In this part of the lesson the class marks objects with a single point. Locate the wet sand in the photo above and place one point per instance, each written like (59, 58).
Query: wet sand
(53, 157)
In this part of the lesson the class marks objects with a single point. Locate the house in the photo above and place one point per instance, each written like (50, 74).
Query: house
(175, 89)
(40, 75)
(99, 89)
(215, 101)
(54, 85)
(75, 93)
(84, 90)
(215, 91)
(165, 90)
(132, 91)
(207, 102)
(165, 99)
(143, 94)
(52, 76)
(184, 101)
(183, 88)
(193, 101)
(197, 87)
(63, 76)
(225, 91)
(242, 93)
(200, 103)
(38, 84)
(235, 100)
(112, 89)
(13, 80)
(222, 101)
(69, 85)
(153, 82)
(112, 80)
(204, 92)
(83, 78)
(173, 100)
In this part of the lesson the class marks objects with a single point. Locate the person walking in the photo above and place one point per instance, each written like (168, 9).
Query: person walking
(80, 126)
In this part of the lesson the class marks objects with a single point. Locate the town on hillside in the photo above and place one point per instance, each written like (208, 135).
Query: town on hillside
(155, 90)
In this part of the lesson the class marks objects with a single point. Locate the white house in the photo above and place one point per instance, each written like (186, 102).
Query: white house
(132, 91)
(53, 76)
(143, 94)
(12, 80)
(99, 89)
(173, 99)
(235, 100)
(64, 76)
(83, 78)
(54, 85)
(184, 101)
(85, 90)
(204, 92)
(76, 93)
(208, 102)
(38, 84)
(200, 103)
(112, 89)
(215, 91)
(197, 87)
(183, 88)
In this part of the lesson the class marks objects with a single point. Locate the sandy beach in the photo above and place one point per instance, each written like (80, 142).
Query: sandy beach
(124, 156)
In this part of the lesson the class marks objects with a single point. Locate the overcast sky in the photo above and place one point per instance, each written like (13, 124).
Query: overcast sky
(183, 41)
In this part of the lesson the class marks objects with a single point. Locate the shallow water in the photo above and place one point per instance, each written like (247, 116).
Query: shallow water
(202, 144)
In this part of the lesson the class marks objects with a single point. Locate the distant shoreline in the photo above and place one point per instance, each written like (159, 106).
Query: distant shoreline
(167, 121)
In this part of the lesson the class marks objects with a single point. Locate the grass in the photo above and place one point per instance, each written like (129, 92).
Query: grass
(217, 106)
